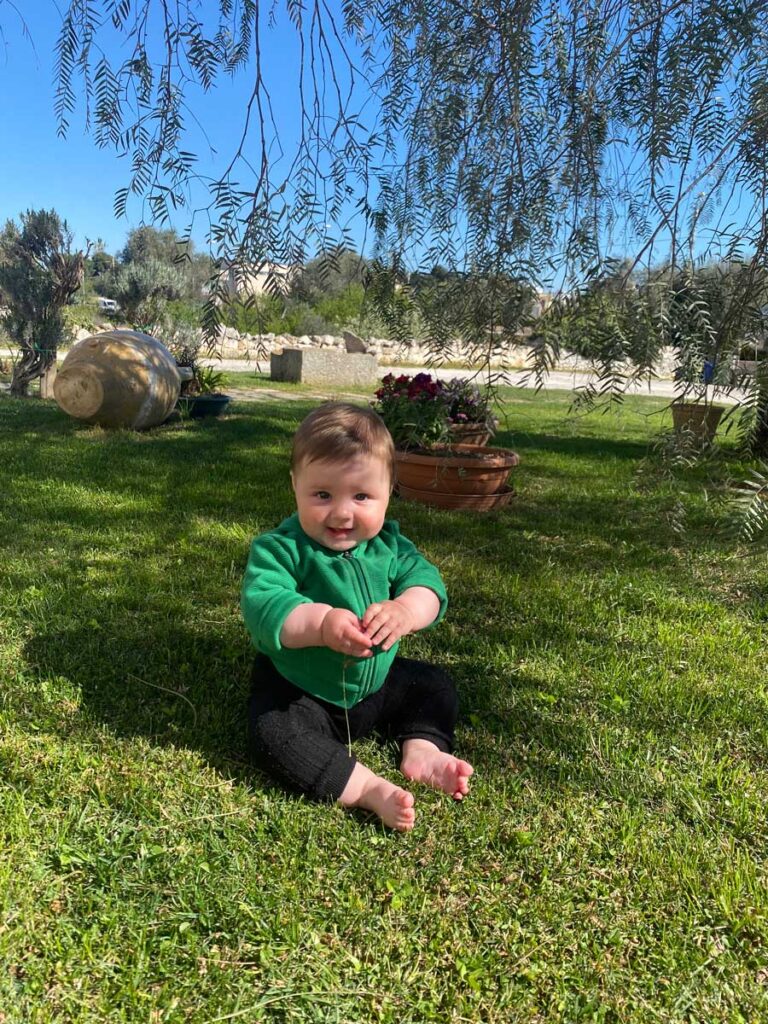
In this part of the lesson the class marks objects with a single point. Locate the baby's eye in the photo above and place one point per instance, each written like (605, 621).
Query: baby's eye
(323, 495)
(361, 497)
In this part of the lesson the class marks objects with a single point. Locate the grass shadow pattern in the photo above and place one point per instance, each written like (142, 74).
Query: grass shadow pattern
(613, 703)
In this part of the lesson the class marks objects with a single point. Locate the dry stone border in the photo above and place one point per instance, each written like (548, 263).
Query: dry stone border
(252, 347)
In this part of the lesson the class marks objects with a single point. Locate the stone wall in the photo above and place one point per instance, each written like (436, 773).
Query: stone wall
(253, 347)
(258, 348)
(324, 366)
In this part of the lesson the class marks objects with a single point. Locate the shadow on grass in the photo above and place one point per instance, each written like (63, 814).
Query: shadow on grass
(597, 448)
(125, 553)
(603, 533)
(215, 466)
(130, 551)
(170, 684)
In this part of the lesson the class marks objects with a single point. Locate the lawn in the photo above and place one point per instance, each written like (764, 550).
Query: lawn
(610, 862)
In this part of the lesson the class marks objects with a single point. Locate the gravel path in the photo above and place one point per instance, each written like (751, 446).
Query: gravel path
(558, 380)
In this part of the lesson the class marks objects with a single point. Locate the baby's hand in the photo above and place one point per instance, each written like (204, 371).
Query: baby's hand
(341, 632)
(385, 622)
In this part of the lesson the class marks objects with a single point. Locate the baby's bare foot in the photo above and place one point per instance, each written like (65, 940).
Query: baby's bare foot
(423, 762)
(392, 804)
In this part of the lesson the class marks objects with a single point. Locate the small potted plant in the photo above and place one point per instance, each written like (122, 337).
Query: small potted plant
(200, 389)
(469, 412)
(203, 396)
(431, 467)
(693, 411)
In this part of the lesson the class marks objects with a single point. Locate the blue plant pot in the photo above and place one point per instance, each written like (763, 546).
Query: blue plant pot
(198, 406)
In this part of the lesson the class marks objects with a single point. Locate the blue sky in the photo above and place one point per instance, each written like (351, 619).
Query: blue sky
(40, 170)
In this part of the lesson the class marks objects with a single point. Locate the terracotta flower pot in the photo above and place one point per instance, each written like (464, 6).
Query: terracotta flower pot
(473, 502)
(697, 417)
(470, 433)
(456, 469)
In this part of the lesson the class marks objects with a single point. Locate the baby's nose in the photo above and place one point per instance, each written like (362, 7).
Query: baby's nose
(343, 511)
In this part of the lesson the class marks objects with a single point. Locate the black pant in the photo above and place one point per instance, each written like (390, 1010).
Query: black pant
(302, 739)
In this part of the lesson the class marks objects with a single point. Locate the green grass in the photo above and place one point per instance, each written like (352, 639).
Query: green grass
(610, 863)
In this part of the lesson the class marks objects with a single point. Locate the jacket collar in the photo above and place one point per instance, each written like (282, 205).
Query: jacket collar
(293, 524)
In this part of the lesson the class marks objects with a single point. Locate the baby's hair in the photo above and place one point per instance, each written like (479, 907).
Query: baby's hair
(340, 431)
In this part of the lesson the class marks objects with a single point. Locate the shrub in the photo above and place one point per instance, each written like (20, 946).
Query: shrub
(83, 315)
(305, 320)
(345, 309)
(261, 314)
(183, 313)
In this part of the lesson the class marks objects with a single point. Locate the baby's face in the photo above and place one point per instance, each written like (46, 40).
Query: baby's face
(341, 504)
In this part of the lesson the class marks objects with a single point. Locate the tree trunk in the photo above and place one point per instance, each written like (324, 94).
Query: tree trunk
(33, 364)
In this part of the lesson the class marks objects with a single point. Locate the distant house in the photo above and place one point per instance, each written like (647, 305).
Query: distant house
(541, 303)
(253, 281)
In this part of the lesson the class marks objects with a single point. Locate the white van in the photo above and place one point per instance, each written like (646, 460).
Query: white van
(108, 305)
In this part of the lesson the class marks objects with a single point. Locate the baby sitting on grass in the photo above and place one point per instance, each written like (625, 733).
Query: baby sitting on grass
(327, 595)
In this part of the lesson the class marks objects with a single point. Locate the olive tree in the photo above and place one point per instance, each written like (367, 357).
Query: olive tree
(143, 290)
(190, 270)
(39, 274)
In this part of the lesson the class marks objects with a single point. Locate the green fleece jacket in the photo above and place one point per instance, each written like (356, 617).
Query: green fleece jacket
(286, 568)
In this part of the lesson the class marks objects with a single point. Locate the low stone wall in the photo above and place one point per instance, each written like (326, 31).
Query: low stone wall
(259, 348)
(255, 347)
(324, 367)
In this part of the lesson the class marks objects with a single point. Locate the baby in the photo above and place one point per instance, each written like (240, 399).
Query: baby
(327, 595)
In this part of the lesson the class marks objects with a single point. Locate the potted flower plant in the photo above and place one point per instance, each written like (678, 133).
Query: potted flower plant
(431, 467)
(469, 412)
(414, 409)
(200, 387)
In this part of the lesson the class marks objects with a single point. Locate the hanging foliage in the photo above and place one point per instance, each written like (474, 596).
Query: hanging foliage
(506, 141)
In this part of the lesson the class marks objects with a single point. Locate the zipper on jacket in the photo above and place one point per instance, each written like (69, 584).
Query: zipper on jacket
(350, 559)
(362, 579)
(365, 592)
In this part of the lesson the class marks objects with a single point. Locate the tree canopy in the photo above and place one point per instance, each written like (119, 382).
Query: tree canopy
(147, 243)
(533, 140)
(491, 134)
